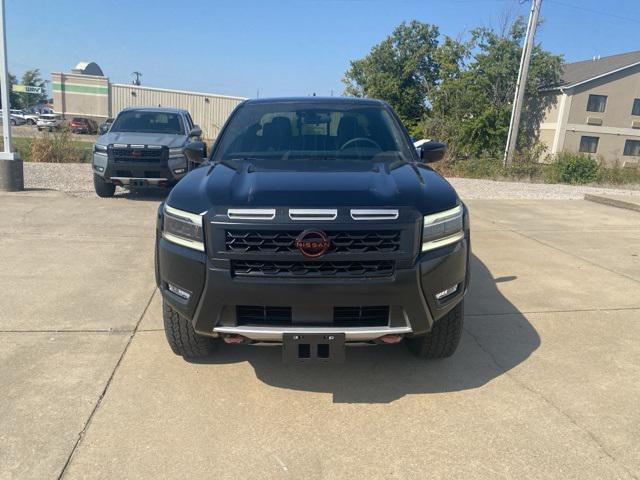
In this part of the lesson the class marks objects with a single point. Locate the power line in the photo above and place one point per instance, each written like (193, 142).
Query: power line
(598, 12)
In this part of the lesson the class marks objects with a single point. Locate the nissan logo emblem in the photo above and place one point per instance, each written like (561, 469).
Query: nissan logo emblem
(313, 243)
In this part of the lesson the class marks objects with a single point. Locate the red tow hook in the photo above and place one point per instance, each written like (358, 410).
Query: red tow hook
(390, 339)
(234, 339)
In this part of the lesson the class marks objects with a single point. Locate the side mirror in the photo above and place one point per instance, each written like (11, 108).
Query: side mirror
(432, 151)
(103, 128)
(195, 151)
(196, 131)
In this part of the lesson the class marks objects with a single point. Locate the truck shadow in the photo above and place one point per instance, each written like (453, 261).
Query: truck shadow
(496, 338)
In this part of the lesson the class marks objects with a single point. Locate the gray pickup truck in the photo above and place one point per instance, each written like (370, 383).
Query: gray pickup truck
(143, 148)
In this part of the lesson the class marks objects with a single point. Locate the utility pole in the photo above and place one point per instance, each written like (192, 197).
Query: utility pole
(11, 172)
(137, 81)
(521, 84)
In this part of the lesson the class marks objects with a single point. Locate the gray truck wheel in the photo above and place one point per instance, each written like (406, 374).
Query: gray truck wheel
(102, 187)
(181, 336)
(444, 337)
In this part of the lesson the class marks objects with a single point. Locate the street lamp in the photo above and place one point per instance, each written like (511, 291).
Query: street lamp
(11, 172)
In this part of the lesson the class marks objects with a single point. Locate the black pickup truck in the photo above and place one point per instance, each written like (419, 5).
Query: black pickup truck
(315, 224)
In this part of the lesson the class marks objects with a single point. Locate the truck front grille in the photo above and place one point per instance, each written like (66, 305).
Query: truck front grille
(371, 268)
(265, 241)
(361, 316)
(364, 316)
(262, 315)
(128, 154)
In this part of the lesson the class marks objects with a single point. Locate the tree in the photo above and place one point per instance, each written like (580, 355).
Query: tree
(401, 69)
(32, 77)
(471, 106)
(14, 97)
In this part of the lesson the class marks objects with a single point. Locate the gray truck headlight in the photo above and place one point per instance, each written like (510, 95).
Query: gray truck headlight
(100, 149)
(183, 228)
(176, 152)
(443, 228)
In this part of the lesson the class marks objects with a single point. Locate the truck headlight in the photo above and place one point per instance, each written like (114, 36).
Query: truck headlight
(176, 152)
(443, 228)
(183, 228)
(100, 149)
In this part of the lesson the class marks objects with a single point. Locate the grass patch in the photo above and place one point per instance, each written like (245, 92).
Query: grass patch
(57, 147)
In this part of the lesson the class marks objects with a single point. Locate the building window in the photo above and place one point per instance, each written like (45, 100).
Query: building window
(596, 103)
(589, 144)
(636, 107)
(632, 148)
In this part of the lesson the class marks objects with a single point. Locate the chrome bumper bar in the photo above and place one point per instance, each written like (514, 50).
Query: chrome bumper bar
(274, 334)
(150, 181)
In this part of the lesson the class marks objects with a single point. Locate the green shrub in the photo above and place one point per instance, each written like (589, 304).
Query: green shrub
(58, 147)
(617, 175)
(573, 168)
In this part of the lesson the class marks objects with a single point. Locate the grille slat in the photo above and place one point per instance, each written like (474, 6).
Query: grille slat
(257, 241)
(128, 154)
(377, 316)
(370, 268)
(262, 315)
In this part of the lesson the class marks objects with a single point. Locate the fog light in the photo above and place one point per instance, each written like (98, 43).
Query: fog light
(178, 171)
(178, 291)
(98, 168)
(447, 292)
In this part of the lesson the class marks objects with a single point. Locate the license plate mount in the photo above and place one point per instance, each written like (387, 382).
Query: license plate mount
(138, 183)
(313, 347)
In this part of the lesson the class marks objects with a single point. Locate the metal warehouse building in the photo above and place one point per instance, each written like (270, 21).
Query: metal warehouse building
(87, 92)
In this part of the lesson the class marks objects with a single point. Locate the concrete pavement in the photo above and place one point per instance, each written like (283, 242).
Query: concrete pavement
(544, 384)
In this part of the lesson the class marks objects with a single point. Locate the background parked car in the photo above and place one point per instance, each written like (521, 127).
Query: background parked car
(15, 120)
(29, 116)
(49, 122)
(83, 125)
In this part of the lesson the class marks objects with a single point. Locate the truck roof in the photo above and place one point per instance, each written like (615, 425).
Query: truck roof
(320, 100)
(156, 109)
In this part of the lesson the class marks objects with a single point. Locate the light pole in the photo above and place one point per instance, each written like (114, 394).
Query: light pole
(521, 85)
(11, 173)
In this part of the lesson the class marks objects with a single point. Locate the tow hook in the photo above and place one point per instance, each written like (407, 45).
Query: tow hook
(390, 339)
(233, 339)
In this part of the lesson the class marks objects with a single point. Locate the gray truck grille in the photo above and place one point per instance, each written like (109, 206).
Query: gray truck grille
(128, 154)
(265, 241)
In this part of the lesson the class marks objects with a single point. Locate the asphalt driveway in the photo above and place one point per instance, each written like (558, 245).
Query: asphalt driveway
(544, 384)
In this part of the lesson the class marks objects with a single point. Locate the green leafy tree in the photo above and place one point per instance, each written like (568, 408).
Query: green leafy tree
(14, 98)
(32, 77)
(471, 106)
(401, 69)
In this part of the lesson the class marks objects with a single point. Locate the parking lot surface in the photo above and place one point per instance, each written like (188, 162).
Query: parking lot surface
(544, 384)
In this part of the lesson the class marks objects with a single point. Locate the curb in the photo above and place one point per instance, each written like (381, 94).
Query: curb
(612, 202)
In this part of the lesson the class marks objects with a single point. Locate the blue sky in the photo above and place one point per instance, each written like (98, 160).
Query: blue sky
(281, 47)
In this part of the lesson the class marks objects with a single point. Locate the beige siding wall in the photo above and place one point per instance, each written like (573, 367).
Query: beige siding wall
(80, 95)
(209, 111)
(620, 88)
(551, 114)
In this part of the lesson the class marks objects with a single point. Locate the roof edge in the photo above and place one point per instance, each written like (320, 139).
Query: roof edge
(597, 77)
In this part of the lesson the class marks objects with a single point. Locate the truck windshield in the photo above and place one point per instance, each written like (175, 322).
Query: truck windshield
(148, 122)
(289, 130)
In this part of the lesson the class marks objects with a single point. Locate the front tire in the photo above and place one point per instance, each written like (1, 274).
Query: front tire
(444, 337)
(181, 336)
(103, 188)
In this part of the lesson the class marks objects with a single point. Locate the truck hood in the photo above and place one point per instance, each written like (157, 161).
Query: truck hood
(135, 138)
(305, 185)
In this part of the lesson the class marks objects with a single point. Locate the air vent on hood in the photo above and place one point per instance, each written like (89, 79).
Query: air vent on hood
(369, 214)
(251, 213)
(312, 214)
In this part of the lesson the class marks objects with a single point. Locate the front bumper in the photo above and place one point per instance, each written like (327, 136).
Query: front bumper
(164, 173)
(409, 293)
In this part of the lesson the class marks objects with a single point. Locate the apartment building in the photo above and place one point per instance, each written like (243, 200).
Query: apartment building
(597, 109)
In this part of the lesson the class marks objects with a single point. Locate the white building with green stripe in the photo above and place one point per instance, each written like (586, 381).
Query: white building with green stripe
(82, 93)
